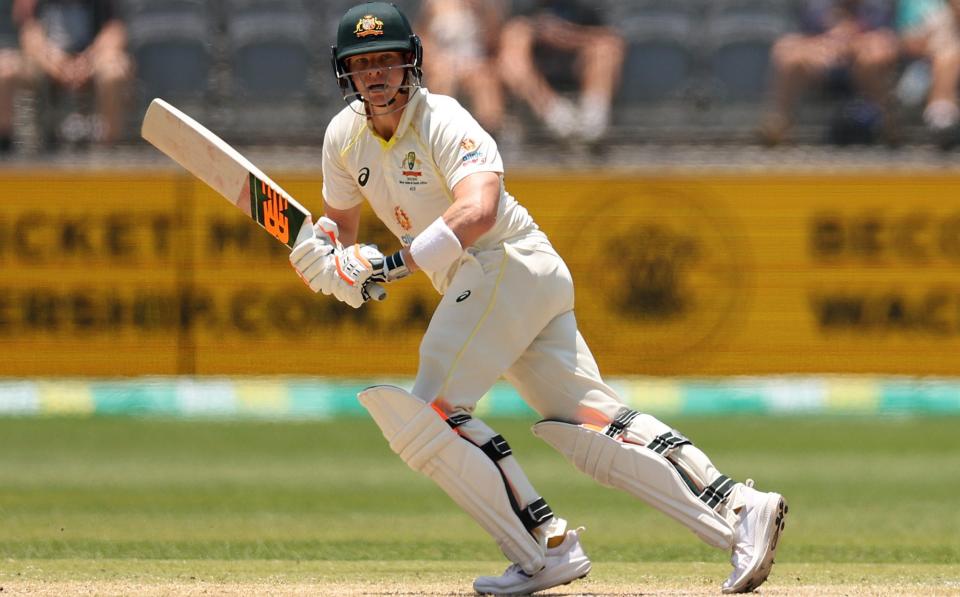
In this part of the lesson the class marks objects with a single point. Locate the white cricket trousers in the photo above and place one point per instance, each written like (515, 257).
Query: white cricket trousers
(508, 312)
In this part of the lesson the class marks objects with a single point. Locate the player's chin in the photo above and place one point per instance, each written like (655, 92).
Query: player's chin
(381, 100)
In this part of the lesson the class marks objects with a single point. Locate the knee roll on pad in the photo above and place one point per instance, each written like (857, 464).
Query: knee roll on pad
(463, 470)
(643, 471)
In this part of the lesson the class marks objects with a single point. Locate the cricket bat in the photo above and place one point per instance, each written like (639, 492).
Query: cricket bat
(212, 160)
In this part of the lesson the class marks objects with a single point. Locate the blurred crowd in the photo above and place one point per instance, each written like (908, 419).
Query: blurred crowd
(567, 71)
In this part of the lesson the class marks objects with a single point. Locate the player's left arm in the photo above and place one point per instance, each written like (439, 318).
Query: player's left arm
(475, 205)
(473, 212)
(470, 162)
(471, 165)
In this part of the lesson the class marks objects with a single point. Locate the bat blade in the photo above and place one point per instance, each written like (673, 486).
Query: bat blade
(225, 170)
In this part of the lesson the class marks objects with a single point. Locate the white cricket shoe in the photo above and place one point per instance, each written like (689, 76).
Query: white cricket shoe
(565, 563)
(758, 531)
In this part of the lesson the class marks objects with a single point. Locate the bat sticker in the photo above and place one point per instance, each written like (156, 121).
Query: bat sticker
(273, 211)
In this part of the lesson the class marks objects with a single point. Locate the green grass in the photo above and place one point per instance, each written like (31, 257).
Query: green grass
(861, 491)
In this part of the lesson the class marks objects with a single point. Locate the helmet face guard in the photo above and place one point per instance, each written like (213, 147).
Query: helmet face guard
(375, 27)
(413, 67)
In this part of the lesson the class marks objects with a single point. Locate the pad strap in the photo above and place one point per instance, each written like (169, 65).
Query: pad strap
(668, 442)
(535, 514)
(717, 492)
(456, 420)
(465, 472)
(497, 448)
(621, 421)
(643, 473)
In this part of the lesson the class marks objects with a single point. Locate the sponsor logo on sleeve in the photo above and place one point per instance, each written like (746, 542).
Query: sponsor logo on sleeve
(472, 153)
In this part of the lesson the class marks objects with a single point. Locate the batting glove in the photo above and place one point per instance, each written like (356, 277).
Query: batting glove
(314, 259)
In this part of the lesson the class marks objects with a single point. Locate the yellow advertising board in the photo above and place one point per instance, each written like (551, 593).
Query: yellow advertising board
(716, 275)
(91, 266)
(149, 273)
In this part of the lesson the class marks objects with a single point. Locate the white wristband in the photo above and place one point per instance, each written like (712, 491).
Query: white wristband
(436, 248)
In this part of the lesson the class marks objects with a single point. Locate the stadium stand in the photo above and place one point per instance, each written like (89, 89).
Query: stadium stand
(8, 75)
(696, 71)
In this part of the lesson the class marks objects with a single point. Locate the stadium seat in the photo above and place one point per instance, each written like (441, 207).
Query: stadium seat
(659, 79)
(269, 48)
(661, 37)
(738, 36)
(275, 68)
(8, 33)
(173, 45)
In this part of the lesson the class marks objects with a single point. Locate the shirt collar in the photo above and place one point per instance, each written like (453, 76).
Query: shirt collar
(409, 110)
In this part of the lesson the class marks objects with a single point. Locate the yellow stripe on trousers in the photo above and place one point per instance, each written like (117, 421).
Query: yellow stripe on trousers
(476, 328)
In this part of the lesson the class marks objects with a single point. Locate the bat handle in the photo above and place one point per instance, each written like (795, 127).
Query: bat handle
(374, 291)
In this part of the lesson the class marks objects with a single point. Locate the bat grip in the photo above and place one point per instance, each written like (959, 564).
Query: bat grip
(374, 291)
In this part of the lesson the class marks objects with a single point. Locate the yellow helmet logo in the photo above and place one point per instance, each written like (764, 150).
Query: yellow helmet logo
(369, 25)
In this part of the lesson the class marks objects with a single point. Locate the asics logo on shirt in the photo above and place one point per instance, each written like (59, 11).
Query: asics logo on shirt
(363, 177)
(463, 296)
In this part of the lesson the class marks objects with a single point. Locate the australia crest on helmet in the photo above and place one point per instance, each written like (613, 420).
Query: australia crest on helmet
(368, 25)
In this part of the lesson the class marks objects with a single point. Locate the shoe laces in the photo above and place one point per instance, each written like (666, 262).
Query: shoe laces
(515, 569)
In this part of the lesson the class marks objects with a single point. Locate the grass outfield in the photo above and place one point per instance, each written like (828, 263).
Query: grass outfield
(129, 506)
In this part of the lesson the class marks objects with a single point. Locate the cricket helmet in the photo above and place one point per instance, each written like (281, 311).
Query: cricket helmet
(375, 27)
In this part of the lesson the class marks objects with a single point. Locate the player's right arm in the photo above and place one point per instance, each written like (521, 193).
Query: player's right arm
(342, 203)
(332, 262)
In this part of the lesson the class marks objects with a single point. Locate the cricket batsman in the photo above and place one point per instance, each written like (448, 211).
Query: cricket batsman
(434, 177)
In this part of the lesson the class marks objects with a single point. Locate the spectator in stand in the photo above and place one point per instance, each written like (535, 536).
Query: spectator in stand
(76, 45)
(10, 74)
(842, 44)
(911, 13)
(937, 40)
(461, 37)
(539, 41)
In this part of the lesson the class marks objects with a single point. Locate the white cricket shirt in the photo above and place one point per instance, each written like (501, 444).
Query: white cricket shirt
(408, 180)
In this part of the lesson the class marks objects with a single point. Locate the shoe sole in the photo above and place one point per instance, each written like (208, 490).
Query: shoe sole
(774, 527)
(580, 570)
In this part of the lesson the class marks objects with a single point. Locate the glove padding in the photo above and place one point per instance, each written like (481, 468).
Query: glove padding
(314, 260)
(348, 274)
(356, 266)
(365, 264)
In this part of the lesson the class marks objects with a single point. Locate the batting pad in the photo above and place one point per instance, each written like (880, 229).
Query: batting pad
(640, 472)
(427, 444)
